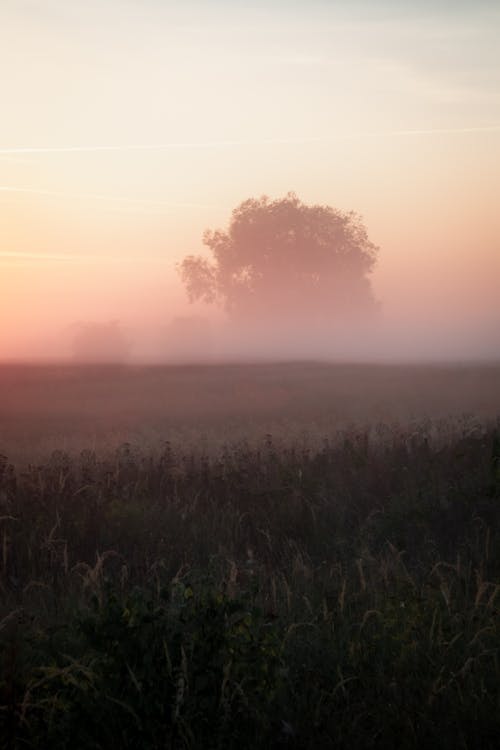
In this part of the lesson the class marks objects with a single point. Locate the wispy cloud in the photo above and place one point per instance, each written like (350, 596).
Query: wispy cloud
(493, 128)
(148, 146)
(103, 197)
(435, 131)
(15, 256)
(20, 256)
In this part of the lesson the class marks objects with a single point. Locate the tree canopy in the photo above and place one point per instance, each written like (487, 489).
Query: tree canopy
(286, 259)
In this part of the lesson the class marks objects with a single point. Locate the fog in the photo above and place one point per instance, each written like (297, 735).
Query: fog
(376, 342)
(191, 339)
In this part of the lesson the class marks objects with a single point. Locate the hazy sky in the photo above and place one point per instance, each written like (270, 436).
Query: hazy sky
(129, 126)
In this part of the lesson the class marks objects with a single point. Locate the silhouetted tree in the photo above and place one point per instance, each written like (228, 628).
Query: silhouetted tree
(285, 259)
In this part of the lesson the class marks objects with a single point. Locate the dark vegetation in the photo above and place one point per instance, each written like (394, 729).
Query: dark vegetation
(338, 589)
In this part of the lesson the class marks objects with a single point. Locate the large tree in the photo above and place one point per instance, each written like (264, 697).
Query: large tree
(284, 259)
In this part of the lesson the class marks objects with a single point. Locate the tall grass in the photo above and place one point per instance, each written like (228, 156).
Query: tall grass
(341, 595)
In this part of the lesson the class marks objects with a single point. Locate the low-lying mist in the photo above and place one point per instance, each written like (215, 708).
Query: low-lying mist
(196, 339)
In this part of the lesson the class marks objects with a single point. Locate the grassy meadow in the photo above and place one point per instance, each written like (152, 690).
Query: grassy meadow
(72, 408)
(300, 556)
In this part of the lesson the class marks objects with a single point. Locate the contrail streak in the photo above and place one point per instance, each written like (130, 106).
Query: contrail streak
(102, 197)
(14, 255)
(440, 131)
(149, 146)
(495, 128)
(38, 256)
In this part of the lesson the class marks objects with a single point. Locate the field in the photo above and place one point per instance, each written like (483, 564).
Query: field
(71, 408)
(301, 556)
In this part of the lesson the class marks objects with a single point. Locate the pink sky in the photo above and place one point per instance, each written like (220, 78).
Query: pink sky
(127, 129)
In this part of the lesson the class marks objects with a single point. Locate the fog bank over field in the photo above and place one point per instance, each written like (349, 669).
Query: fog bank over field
(195, 339)
(192, 339)
(48, 408)
(378, 341)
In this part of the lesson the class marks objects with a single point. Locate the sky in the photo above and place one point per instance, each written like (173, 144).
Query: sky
(128, 127)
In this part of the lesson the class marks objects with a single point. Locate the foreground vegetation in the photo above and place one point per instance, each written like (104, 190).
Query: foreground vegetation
(275, 595)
